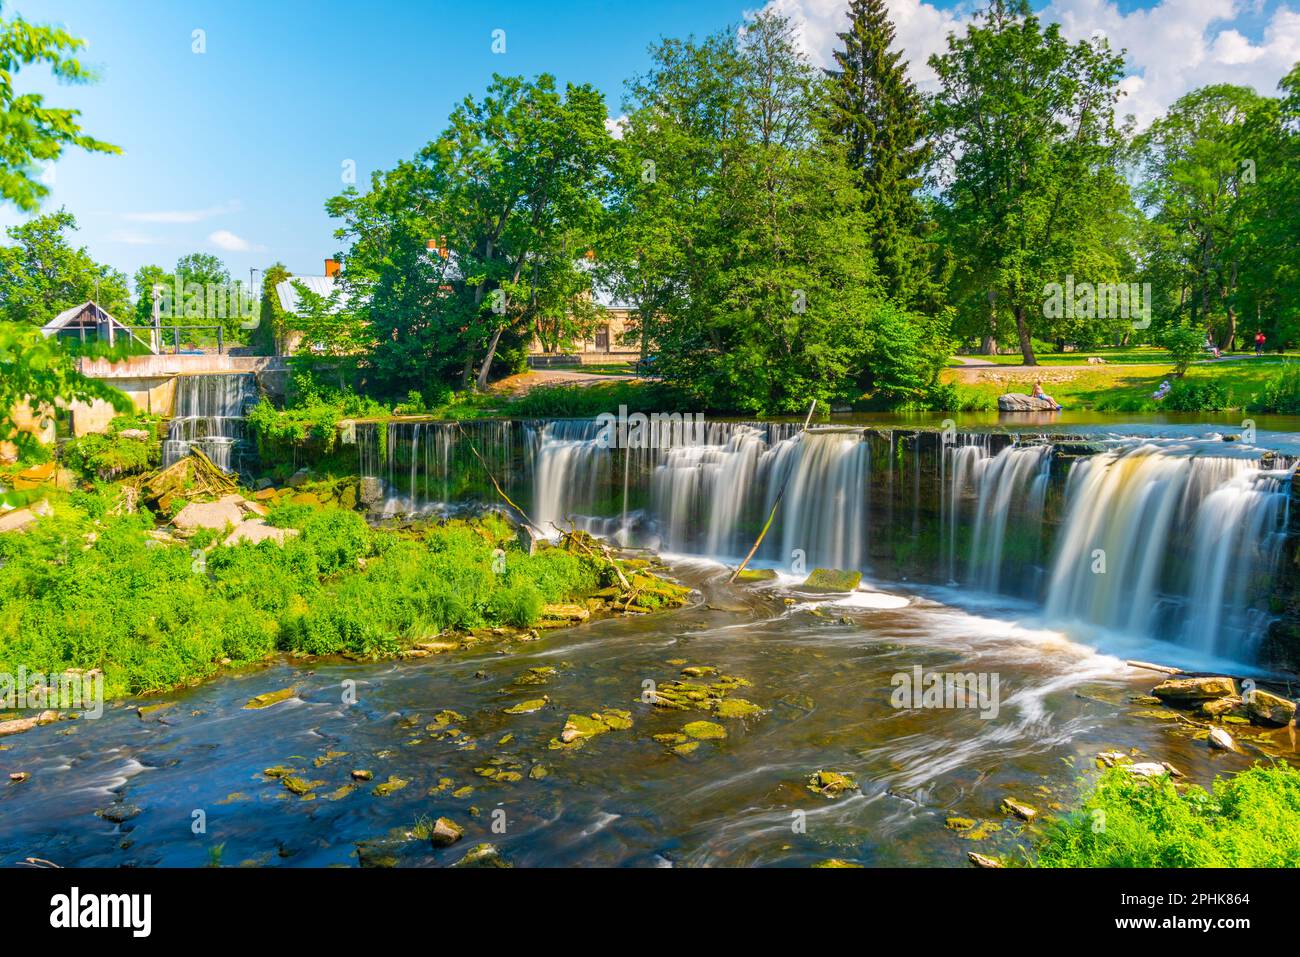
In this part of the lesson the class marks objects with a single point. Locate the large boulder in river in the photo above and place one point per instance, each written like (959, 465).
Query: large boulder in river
(1269, 708)
(1192, 691)
(1019, 402)
(226, 510)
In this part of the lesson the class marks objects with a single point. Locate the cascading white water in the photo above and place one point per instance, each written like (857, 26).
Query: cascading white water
(1189, 531)
(209, 415)
(1124, 559)
(1012, 486)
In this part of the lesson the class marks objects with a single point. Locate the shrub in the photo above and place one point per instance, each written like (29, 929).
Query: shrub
(1184, 344)
(1281, 392)
(1196, 396)
(1250, 820)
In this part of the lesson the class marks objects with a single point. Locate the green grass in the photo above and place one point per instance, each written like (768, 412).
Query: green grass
(1128, 387)
(1250, 820)
(1135, 355)
(86, 589)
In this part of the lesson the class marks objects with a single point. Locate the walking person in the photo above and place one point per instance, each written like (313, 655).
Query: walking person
(1259, 342)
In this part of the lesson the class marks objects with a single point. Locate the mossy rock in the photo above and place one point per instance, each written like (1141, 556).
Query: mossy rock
(394, 783)
(529, 707)
(831, 784)
(482, 855)
(757, 575)
(705, 730)
(836, 862)
(579, 729)
(270, 698)
(959, 823)
(736, 708)
(832, 580)
(446, 832)
(299, 786)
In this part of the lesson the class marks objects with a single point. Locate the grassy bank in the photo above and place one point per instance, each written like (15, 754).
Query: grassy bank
(1249, 820)
(85, 588)
(1258, 385)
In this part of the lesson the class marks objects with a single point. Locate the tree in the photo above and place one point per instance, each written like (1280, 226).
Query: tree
(742, 234)
(877, 112)
(1192, 165)
(40, 373)
(513, 186)
(145, 281)
(30, 131)
(42, 274)
(1028, 157)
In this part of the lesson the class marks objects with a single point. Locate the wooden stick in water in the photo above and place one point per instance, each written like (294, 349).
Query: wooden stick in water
(772, 514)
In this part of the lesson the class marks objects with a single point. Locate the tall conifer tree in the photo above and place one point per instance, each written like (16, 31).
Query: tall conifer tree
(878, 112)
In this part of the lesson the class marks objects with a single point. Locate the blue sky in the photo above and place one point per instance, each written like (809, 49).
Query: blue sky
(234, 151)
(249, 137)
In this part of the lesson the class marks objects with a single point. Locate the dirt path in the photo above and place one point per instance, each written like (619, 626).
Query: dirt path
(524, 382)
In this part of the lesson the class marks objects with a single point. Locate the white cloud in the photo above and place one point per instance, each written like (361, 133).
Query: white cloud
(614, 126)
(225, 239)
(183, 215)
(1171, 48)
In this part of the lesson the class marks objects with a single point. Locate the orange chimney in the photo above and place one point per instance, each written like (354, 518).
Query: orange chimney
(331, 268)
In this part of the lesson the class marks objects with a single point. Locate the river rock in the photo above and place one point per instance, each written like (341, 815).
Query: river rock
(298, 478)
(19, 725)
(1189, 691)
(254, 530)
(217, 515)
(446, 832)
(1021, 810)
(832, 579)
(482, 855)
(20, 518)
(831, 784)
(980, 860)
(372, 490)
(138, 435)
(1218, 707)
(1019, 402)
(1270, 708)
(119, 813)
(1221, 740)
(1152, 769)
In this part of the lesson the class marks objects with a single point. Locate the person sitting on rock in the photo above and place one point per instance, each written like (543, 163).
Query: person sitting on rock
(1038, 393)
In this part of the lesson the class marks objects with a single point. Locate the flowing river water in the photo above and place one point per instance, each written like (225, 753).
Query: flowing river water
(978, 548)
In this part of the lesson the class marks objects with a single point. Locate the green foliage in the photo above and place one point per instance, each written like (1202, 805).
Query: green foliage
(108, 455)
(42, 273)
(1197, 396)
(33, 132)
(40, 373)
(306, 430)
(1184, 344)
(1250, 820)
(1281, 392)
(1031, 164)
(153, 616)
(879, 115)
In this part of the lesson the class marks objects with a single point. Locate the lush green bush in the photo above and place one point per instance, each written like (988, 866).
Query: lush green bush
(305, 431)
(108, 455)
(1281, 393)
(155, 615)
(1250, 820)
(1184, 344)
(1197, 396)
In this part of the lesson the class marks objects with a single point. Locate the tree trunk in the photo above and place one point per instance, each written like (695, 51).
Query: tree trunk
(487, 360)
(1022, 330)
(989, 346)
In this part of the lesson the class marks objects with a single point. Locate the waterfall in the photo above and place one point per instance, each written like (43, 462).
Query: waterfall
(1170, 541)
(1189, 533)
(1012, 486)
(208, 414)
